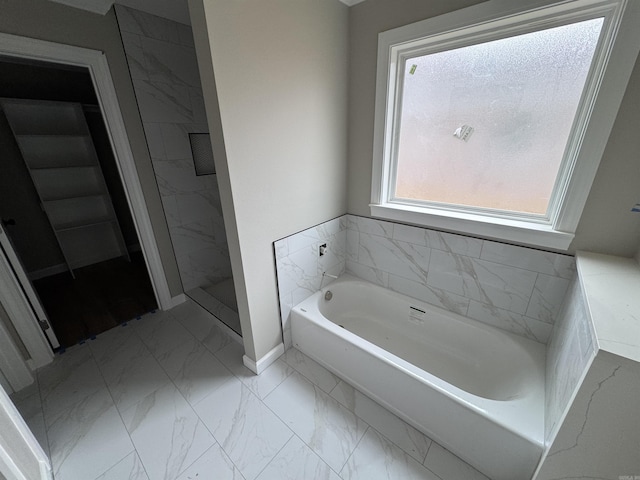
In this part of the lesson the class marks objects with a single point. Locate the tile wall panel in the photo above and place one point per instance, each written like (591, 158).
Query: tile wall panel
(517, 289)
(164, 69)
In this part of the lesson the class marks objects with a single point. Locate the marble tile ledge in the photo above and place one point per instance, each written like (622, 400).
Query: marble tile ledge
(611, 285)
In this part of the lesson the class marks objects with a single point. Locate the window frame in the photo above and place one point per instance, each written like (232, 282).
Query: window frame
(605, 86)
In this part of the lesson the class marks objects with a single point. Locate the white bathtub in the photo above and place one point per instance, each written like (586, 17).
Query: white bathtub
(476, 390)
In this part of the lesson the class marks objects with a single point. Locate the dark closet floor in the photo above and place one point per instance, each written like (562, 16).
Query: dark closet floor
(101, 297)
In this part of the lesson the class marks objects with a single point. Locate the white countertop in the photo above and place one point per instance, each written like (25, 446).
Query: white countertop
(612, 292)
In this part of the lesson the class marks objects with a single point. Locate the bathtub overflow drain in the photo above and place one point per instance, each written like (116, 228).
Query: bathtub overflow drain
(328, 296)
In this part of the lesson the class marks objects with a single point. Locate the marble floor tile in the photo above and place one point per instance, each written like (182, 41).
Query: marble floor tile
(129, 468)
(311, 369)
(67, 381)
(376, 458)
(395, 429)
(327, 427)
(214, 464)
(245, 428)
(88, 439)
(297, 461)
(261, 385)
(132, 375)
(163, 334)
(194, 370)
(167, 433)
(449, 467)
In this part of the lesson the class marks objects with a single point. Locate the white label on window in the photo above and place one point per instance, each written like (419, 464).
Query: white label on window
(463, 132)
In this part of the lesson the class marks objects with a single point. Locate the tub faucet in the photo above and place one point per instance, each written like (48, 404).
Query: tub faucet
(325, 274)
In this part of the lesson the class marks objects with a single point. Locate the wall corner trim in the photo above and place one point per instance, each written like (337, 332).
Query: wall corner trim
(261, 365)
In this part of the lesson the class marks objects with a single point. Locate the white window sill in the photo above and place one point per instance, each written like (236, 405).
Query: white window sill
(505, 230)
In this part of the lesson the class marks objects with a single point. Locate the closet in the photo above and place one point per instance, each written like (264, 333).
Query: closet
(59, 153)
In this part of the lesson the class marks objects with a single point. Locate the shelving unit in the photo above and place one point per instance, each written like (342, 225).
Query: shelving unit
(58, 151)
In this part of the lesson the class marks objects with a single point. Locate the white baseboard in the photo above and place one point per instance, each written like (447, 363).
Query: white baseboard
(262, 364)
(175, 301)
(47, 272)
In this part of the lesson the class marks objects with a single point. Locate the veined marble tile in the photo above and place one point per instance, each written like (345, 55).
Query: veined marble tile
(132, 373)
(163, 102)
(193, 237)
(175, 137)
(201, 325)
(297, 461)
(153, 132)
(170, 63)
(447, 242)
(313, 235)
(353, 245)
(370, 226)
(549, 263)
(171, 213)
(129, 468)
(369, 274)
(197, 206)
(135, 56)
(546, 299)
(393, 256)
(212, 263)
(214, 464)
(167, 433)
(493, 284)
(27, 400)
(432, 295)
(395, 429)
(261, 385)
(281, 248)
(335, 253)
(311, 369)
(376, 458)
(176, 176)
(245, 428)
(146, 24)
(69, 380)
(511, 322)
(186, 35)
(198, 106)
(449, 467)
(299, 270)
(163, 334)
(110, 345)
(88, 439)
(194, 370)
(328, 428)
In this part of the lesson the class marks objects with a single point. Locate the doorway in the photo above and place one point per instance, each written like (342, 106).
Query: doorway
(99, 287)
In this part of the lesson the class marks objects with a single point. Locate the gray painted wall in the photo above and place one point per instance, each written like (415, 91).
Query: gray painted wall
(281, 78)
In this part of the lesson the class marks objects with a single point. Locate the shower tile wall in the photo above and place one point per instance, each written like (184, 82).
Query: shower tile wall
(517, 289)
(299, 266)
(164, 70)
(571, 349)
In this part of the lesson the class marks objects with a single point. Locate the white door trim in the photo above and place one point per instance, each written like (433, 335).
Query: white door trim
(96, 62)
(16, 436)
(23, 318)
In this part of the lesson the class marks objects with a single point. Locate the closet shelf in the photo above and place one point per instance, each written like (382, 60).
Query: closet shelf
(59, 153)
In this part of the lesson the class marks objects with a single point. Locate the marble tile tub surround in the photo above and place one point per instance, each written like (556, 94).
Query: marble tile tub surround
(299, 266)
(514, 288)
(569, 354)
(162, 61)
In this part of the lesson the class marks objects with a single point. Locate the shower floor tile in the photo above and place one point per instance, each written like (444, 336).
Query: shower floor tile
(134, 405)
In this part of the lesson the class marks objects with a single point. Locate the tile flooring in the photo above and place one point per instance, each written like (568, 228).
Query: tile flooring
(168, 398)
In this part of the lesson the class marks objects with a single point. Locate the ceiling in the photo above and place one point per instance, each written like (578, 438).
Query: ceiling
(172, 9)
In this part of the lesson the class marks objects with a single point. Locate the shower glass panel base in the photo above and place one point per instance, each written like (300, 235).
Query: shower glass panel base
(220, 300)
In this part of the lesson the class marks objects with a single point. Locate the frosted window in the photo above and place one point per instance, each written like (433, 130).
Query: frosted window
(487, 125)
